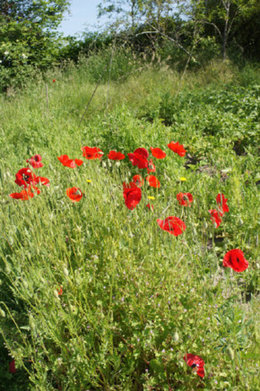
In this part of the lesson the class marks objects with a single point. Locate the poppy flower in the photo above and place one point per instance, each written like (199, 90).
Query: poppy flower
(236, 260)
(184, 199)
(150, 206)
(113, 155)
(35, 161)
(143, 152)
(151, 167)
(153, 181)
(92, 153)
(222, 202)
(158, 153)
(25, 194)
(129, 185)
(54, 80)
(25, 177)
(138, 160)
(43, 181)
(74, 193)
(67, 162)
(60, 291)
(172, 224)
(216, 217)
(12, 368)
(138, 180)
(177, 148)
(196, 363)
(132, 196)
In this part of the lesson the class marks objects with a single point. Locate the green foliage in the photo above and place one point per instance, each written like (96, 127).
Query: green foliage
(27, 44)
(225, 18)
(135, 299)
(111, 63)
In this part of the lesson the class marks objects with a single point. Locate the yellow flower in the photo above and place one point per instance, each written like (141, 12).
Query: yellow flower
(89, 180)
(183, 179)
(151, 198)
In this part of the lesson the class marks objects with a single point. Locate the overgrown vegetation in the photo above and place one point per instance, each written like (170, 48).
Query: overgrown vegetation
(134, 299)
(184, 34)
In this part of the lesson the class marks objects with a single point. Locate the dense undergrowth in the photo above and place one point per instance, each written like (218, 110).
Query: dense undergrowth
(134, 299)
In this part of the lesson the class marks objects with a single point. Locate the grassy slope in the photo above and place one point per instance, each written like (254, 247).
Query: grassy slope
(135, 299)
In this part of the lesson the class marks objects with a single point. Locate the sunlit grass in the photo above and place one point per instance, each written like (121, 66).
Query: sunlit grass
(135, 299)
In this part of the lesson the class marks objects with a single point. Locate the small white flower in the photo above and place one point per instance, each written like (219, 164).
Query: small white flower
(6, 53)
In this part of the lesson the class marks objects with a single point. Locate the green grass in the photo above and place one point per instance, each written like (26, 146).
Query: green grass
(135, 299)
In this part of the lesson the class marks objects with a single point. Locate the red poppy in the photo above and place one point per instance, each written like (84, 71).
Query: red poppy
(35, 161)
(132, 196)
(143, 152)
(177, 148)
(153, 181)
(184, 199)
(172, 224)
(196, 363)
(12, 368)
(150, 206)
(92, 153)
(216, 217)
(138, 160)
(113, 155)
(25, 194)
(138, 180)
(42, 181)
(236, 260)
(53, 80)
(129, 185)
(67, 162)
(222, 202)
(74, 193)
(60, 291)
(78, 162)
(158, 153)
(151, 167)
(25, 177)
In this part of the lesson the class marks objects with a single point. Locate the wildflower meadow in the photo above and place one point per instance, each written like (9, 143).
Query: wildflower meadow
(129, 232)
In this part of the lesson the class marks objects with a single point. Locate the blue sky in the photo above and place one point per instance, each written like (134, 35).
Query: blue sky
(83, 16)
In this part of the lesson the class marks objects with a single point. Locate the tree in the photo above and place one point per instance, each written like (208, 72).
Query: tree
(136, 12)
(28, 37)
(223, 15)
(45, 13)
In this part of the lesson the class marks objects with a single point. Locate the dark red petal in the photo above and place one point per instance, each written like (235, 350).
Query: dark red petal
(92, 153)
(215, 217)
(173, 225)
(138, 180)
(42, 181)
(153, 181)
(222, 202)
(78, 162)
(236, 260)
(143, 152)
(132, 197)
(138, 160)
(113, 155)
(74, 193)
(177, 148)
(12, 368)
(158, 153)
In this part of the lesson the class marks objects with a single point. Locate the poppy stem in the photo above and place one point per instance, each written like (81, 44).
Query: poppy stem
(47, 98)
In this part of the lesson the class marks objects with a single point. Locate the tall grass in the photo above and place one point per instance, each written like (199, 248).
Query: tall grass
(134, 299)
